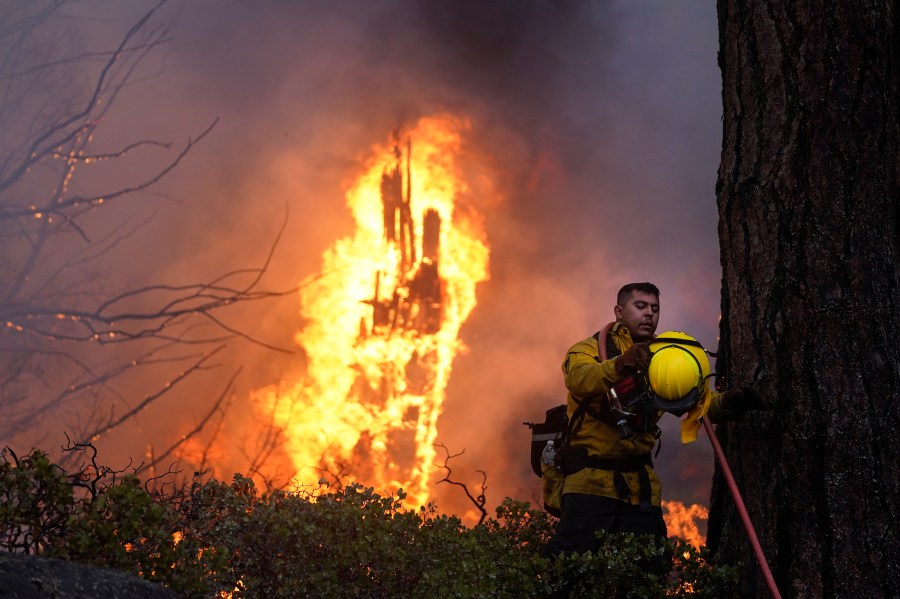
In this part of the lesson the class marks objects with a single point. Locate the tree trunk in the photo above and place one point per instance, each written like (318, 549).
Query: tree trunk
(809, 225)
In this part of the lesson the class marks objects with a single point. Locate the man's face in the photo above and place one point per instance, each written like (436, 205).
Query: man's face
(640, 314)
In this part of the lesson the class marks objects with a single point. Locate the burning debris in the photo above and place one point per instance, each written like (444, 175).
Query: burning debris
(415, 300)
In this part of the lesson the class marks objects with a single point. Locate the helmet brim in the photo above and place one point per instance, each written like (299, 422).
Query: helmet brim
(680, 405)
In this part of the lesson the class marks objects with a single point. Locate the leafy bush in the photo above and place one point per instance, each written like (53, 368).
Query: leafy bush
(35, 503)
(97, 516)
(211, 539)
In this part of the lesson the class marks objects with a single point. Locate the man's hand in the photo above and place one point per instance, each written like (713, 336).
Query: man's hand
(743, 400)
(636, 358)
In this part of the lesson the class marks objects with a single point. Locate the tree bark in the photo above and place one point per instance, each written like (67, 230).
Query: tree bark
(809, 224)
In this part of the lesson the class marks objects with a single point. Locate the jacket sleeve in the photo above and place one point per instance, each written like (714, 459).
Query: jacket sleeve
(585, 374)
(718, 413)
(711, 405)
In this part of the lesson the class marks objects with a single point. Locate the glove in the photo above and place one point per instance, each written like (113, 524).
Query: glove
(743, 400)
(636, 358)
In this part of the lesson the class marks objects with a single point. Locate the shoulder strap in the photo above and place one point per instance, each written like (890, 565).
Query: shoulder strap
(584, 407)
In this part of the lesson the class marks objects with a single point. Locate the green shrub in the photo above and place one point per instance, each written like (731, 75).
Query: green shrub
(36, 501)
(211, 539)
(97, 517)
(630, 566)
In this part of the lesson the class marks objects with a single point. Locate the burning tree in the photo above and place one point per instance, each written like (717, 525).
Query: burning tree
(383, 320)
(810, 240)
(69, 339)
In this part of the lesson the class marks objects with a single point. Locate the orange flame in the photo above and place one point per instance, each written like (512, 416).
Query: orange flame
(382, 320)
(681, 521)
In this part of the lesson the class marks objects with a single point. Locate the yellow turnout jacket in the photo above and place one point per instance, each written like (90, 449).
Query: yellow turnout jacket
(588, 377)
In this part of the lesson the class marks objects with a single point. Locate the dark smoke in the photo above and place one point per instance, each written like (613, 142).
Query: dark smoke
(602, 124)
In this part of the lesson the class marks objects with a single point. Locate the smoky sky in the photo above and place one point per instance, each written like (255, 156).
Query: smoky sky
(600, 124)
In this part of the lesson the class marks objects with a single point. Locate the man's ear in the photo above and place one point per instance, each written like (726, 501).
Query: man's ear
(617, 310)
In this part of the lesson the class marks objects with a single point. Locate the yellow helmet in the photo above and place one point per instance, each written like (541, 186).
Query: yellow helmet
(678, 371)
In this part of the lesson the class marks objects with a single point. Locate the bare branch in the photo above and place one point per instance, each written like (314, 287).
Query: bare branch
(216, 408)
(269, 440)
(480, 501)
(90, 475)
(107, 325)
(59, 134)
(87, 379)
(92, 158)
(198, 365)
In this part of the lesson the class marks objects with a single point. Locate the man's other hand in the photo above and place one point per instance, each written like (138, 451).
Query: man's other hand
(743, 400)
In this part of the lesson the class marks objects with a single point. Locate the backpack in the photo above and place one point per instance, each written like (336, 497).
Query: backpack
(554, 428)
(557, 428)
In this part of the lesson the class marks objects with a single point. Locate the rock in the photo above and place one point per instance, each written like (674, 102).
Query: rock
(30, 577)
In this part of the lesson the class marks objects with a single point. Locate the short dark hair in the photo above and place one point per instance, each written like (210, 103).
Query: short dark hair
(626, 291)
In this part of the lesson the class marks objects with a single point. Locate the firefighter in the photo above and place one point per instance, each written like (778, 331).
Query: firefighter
(620, 382)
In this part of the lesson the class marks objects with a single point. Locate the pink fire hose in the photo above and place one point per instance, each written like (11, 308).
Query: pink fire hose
(742, 510)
